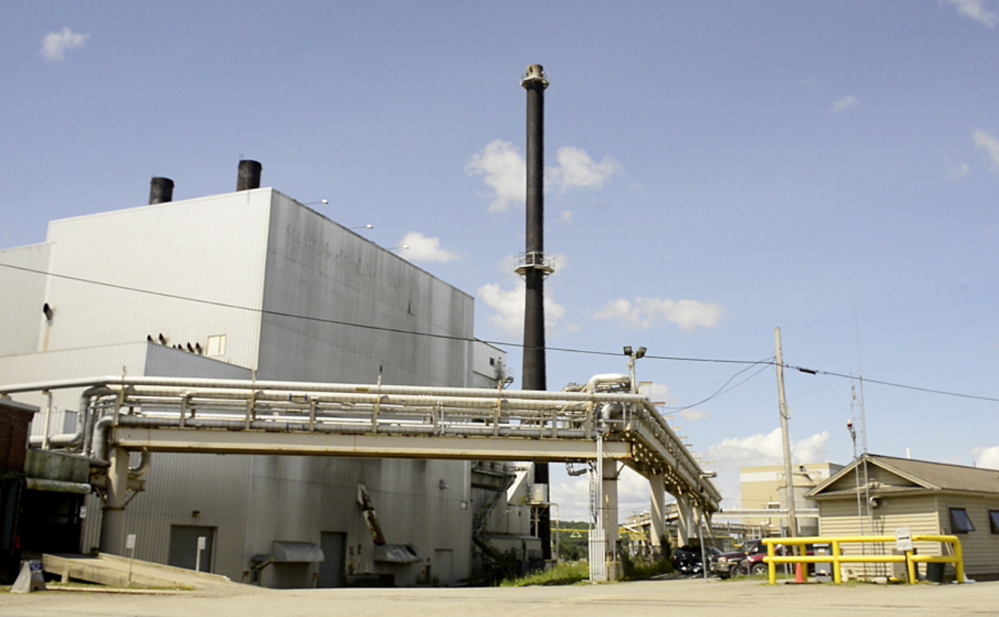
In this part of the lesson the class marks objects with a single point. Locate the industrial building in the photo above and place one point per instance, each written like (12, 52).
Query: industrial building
(252, 285)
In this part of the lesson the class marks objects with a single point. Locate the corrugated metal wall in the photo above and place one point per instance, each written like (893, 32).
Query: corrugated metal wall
(211, 249)
(22, 299)
(319, 269)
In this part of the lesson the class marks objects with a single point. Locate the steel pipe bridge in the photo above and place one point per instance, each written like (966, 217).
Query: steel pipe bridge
(599, 422)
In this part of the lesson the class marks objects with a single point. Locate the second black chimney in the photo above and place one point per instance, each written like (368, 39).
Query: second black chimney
(160, 190)
(249, 175)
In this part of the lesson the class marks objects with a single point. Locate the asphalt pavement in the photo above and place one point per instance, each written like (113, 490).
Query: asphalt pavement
(680, 597)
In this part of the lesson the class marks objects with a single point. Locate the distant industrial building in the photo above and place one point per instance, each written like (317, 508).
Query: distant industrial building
(255, 285)
(764, 489)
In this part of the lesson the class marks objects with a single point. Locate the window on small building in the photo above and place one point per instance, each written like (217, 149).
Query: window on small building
(959, 521)
(994, 520)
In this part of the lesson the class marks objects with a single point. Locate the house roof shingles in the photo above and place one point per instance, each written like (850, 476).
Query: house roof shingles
(929, 476)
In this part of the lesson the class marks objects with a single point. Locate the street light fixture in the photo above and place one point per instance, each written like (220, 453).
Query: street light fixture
(632, 356)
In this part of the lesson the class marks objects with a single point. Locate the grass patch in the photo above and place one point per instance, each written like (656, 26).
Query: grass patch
(561, 574)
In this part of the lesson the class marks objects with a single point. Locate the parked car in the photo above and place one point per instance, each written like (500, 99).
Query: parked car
(756, 551)
(687, 559)
(726, 565)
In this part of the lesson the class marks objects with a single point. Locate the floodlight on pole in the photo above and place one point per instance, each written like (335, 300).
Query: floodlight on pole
(633, 355)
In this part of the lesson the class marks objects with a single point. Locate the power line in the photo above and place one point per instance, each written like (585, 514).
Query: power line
(326, 320)
(724, 389)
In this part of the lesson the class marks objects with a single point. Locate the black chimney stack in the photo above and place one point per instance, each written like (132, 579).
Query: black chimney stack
(534, 268)
(160, 191)
(249, 175)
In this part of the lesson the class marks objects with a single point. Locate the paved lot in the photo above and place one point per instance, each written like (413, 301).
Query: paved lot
(685, 597)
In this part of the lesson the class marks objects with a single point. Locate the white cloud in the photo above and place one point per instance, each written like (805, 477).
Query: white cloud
(976, 10)
(767, 449)
(693, 415)
(426, 250)
(657, 393)
(504, 171)
(576, 170)
(56, 44)
(985, 141)
(986, 457)
(508, 307)
(566, 216)
(645, 313)
(847, 102)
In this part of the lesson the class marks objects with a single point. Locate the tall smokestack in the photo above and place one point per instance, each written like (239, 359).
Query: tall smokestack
(534, 269)
(160, 190)
(249, 175)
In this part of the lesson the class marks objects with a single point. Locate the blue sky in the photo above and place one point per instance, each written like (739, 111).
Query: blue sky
(715, 170)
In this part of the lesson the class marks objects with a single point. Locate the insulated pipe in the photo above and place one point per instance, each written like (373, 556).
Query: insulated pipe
(81, 436)
(289, 427)
(206, 398)
(86, 426)
(298, 388)
(615, 379)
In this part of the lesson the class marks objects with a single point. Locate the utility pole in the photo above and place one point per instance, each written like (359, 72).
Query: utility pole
(792, 520)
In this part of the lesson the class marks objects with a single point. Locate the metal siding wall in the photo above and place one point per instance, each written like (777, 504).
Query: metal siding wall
(67, 364)
(217, 487)
(210, 249)
(21, 299)
(319, 269)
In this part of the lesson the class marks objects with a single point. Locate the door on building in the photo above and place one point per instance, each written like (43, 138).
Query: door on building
(185, 547)
(331, 569)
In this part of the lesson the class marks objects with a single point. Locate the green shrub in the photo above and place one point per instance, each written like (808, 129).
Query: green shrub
(562, 574)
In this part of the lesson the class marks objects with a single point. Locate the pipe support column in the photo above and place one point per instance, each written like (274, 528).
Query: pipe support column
(608, 493)
(113, 521)
(685, 524)
(657, 488)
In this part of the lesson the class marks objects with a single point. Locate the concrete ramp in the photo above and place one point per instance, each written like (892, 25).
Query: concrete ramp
(115, 571)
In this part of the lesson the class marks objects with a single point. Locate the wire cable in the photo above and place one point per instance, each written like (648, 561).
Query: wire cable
(325, 320)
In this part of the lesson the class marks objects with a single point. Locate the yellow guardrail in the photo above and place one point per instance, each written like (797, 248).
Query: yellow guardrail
(836, 556)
